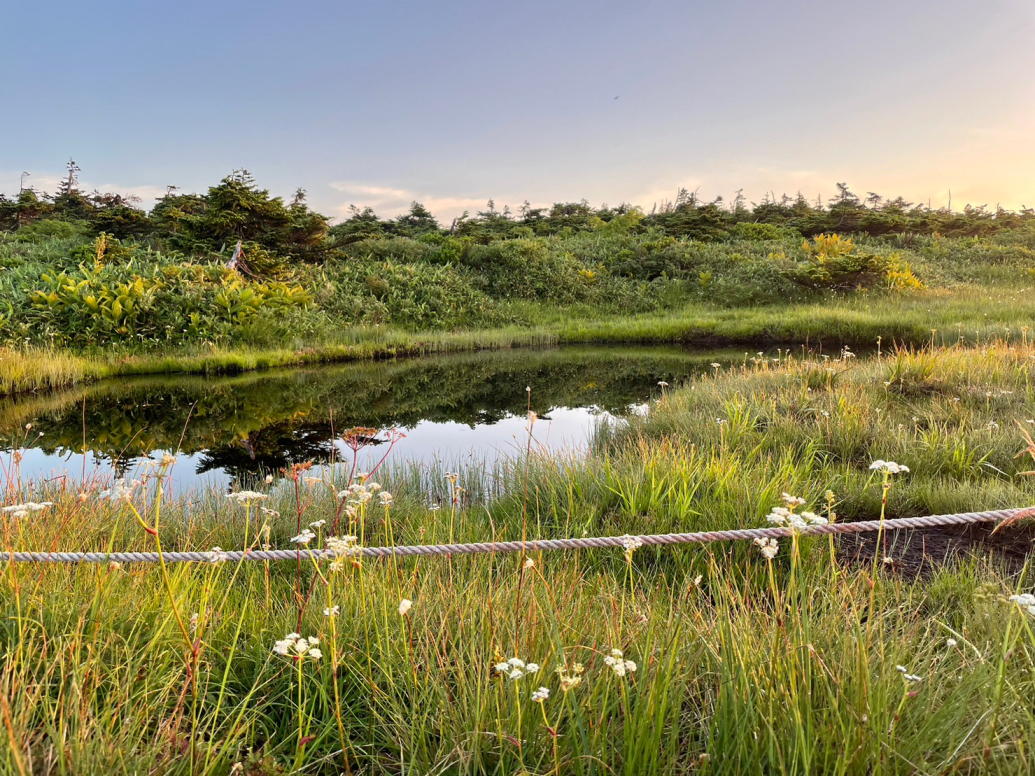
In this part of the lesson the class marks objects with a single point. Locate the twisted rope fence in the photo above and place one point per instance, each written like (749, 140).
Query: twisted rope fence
(531, 545)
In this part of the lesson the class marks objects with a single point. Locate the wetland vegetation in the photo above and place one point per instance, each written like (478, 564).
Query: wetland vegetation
(91, 286)
(858, 333)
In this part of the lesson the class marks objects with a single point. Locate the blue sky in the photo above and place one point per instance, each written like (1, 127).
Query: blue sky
(454, 102)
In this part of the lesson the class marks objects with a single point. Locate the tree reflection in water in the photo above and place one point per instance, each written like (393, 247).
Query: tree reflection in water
(261, 422)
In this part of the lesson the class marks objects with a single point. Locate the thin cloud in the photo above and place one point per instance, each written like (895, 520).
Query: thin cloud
(389, 201)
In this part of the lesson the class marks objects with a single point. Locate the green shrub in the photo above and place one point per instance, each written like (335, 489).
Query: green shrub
(748, 230)
(416, 294)
(531, 269)
(52, 228)
(116, 304)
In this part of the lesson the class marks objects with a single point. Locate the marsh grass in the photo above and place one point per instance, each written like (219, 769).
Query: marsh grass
(743, 665)
(38, 369)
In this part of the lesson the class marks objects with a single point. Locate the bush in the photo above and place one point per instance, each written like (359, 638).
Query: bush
(749, 230)
(115, 304)
(416, 294)
(531, 269)
(52, 228)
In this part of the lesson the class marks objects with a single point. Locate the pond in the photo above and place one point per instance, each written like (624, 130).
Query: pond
(225, 431)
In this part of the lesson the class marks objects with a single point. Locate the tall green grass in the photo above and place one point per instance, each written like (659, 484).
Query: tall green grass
(742, 665)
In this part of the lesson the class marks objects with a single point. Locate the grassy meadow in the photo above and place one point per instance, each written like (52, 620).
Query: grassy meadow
(826, 658)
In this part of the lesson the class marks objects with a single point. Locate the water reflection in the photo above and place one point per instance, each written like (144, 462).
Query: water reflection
(230, 429)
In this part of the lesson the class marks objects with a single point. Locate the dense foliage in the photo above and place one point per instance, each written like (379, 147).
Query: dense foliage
(237, 265)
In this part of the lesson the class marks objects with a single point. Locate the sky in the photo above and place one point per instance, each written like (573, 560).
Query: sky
(454, 102)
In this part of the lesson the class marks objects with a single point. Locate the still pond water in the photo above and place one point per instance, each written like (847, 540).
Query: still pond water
(225, 431)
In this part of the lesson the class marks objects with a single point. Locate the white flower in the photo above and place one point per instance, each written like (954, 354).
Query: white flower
(318, 524)
(768, 547)
(541, 695)
(269, 479)
(616, 662)
(1026, 601)
(784, 517)
(792, 501)
(631, 544)
(385, 498)
(269, 512)
(297, 647)
(906, 675)
(120, 490)
(516, 668)
(404, 606)
(303, 538)
(245, 497)
(332, 611)
(23, 510)
(813, 519)
(529, 563)
(343, 545)
(888, 466)
(950, 643)
(662, 383)
(716, 365)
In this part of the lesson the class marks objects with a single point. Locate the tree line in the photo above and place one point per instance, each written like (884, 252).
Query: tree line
(238, 209)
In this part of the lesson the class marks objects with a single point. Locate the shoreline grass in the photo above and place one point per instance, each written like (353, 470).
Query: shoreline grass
(969, 315)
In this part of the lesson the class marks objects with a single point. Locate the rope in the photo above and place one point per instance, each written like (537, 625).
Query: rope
(532, 545)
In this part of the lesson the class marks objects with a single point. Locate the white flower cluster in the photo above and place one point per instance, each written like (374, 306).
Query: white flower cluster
(906, 675)
(768, 547)
(363, 491)
(297, 647)
(631, 544)
(1024, 600)
(23, 510)
(343, 547)
(303, 538)
(889, 467)
(121, 490)
(246, 497)
(784, 517)
(515, 668)
(541, 694)
(616, 662)
(404, 606)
